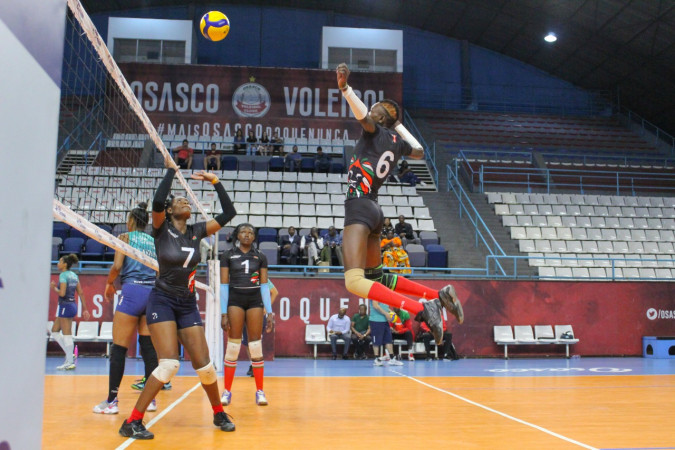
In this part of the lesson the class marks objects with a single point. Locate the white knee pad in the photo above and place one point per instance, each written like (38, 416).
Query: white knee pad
(232, 351)
(255, 347)
(207, 374)
(357, 283)
(166, 369)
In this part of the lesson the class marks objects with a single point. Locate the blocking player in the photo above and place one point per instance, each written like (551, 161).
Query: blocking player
(172, 311)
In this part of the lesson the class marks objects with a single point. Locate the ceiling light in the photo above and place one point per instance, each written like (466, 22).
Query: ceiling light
(550, 37)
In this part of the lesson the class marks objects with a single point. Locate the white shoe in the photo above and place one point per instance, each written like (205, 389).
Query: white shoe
(107, 408)
(395, 362)
(66, 366)
(226, 398)
(152, 407)
(385, 357)
(260, 398)
(377, 362)
(411, 357)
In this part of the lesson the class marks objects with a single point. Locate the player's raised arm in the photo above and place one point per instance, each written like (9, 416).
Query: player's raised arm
(357, 106)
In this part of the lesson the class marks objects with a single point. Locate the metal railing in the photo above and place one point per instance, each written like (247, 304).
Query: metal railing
(660, 137)
(429, 152)
(482, 232)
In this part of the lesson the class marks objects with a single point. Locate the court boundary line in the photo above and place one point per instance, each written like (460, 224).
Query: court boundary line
(156, 419)
(506, 416)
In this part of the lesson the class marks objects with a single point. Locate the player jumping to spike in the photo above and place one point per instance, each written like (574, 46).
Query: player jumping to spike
(376, 152)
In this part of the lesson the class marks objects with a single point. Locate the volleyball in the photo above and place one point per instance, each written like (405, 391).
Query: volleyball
(214, 26)
(393, 318)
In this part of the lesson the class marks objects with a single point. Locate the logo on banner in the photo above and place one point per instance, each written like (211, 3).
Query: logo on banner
(653, 314)
(251, 100)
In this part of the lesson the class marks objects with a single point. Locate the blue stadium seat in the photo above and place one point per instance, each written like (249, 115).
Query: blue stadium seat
(276, 164)
(267, 235)
(93, 250)
(229, 163)
(245, 163)
(307, 165)
(74, 232)
(109, 254)
(61, 230)
(261, 163)
(55, 251)
(337, 167)
(72, 245)
(437, 256)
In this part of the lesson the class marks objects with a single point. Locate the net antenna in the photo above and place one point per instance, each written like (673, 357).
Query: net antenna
(106, 150)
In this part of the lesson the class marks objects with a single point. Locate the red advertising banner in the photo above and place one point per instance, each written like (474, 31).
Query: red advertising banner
(215, 100)
(608, 318)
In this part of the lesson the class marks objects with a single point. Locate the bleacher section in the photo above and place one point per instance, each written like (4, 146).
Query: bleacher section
(274, 200)
(224, 143)
(592, 236)
(480, 130)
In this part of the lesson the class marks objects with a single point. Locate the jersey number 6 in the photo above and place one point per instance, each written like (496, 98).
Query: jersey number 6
(384, 164)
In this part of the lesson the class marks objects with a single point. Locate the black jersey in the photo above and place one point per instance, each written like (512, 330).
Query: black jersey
(178, 255)
(375, 154)
(244, 267)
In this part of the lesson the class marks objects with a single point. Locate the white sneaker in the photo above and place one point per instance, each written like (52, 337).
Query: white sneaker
(226, 398)
(107, 408)
(411, 357)
(377, 362)
(385, 357)
(395, 362)
(260, 398)
(66, 366)
(152, 407)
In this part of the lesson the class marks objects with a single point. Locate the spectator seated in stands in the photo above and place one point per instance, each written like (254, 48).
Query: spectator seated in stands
(447, 352)
(277, 144)
(406, 175)
(312, 244)
(264, 147)
(339, 327)
(292, 160)
(361, 332)
(212, 160)
(401, 328)
(290, 246)
(332, 246)
(386, 228)
(251, 143)
(405, 231)
(393, 254)
(183, 155)
(239, 144)
(321, 161)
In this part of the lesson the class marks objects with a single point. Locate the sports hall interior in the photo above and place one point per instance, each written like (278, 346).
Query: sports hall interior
(546, 197)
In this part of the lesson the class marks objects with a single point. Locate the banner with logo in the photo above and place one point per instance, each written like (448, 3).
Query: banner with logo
(215, 100)
(608, 318)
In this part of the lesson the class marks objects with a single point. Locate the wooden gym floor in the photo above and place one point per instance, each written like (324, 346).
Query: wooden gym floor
(603, 403)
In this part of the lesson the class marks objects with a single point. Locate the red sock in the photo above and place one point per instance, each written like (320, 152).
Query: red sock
(408, 287)
(380, 293)
(135, 415)
(258, 372)
(230, 367)
(217, 408)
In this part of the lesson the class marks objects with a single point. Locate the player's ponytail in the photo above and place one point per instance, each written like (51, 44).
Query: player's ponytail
(393, 111)
(140, 215)
(70, 260)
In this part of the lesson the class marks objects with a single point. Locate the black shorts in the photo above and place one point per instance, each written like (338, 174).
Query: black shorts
(245, 298)
(163, 307)
(365, 211)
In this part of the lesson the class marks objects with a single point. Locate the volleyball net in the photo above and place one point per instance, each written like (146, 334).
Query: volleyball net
(110, 158)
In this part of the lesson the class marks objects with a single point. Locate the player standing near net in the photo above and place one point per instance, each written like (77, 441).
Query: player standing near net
(244, 290)
(376, 152)
(62, 330)
(172, 312)
(137, 282)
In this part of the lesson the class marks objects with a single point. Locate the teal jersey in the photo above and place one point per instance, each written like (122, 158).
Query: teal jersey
(132, 270)
(375, 315)
(71, 279)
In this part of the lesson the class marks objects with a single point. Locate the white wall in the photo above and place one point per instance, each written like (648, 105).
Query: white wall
(345, 37)
(156, 29)
(29, 110)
